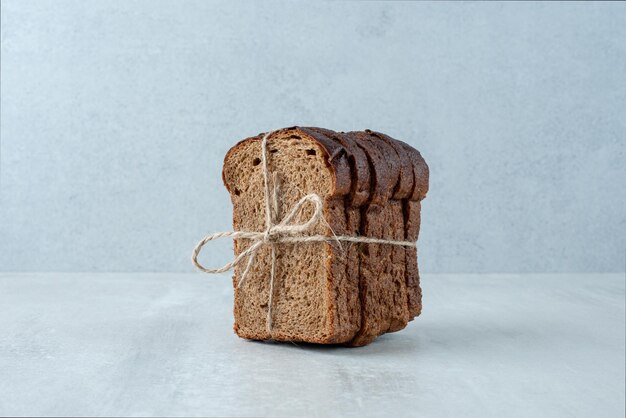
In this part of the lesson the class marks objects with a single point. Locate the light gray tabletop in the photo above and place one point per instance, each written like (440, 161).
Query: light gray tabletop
(162, 344)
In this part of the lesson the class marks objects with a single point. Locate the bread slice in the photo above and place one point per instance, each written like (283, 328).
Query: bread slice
(382, 281)
(412, 218)
(401, 187)
(314, 300)
(359, 196)
(402, 193)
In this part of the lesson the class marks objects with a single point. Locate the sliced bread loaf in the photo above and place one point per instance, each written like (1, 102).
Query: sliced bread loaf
(323, 292)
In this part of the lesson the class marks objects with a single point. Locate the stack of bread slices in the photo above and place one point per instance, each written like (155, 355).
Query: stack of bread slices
(329, 292)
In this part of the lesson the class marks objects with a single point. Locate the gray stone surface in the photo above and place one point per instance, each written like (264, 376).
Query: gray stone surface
(116, 116)
(162, 345)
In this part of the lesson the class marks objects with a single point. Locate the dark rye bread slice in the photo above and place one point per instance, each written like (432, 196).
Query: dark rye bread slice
(313, 297)
(359, 195)
(401, 187)
(382, 281)
(412, 217)
(402, 193)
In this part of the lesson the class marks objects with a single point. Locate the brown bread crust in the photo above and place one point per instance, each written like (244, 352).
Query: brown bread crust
(361, 178)
(421, 172)
(404, 187)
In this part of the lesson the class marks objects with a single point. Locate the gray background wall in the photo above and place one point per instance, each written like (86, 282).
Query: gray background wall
(116, 116)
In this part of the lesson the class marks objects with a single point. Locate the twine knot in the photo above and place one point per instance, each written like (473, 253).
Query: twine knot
(269, 236)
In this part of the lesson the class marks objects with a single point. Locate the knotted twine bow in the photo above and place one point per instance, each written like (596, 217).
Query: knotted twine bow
(281, 232)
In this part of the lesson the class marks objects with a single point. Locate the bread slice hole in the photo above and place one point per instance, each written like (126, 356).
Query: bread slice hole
(256, 161)
(311, 152)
